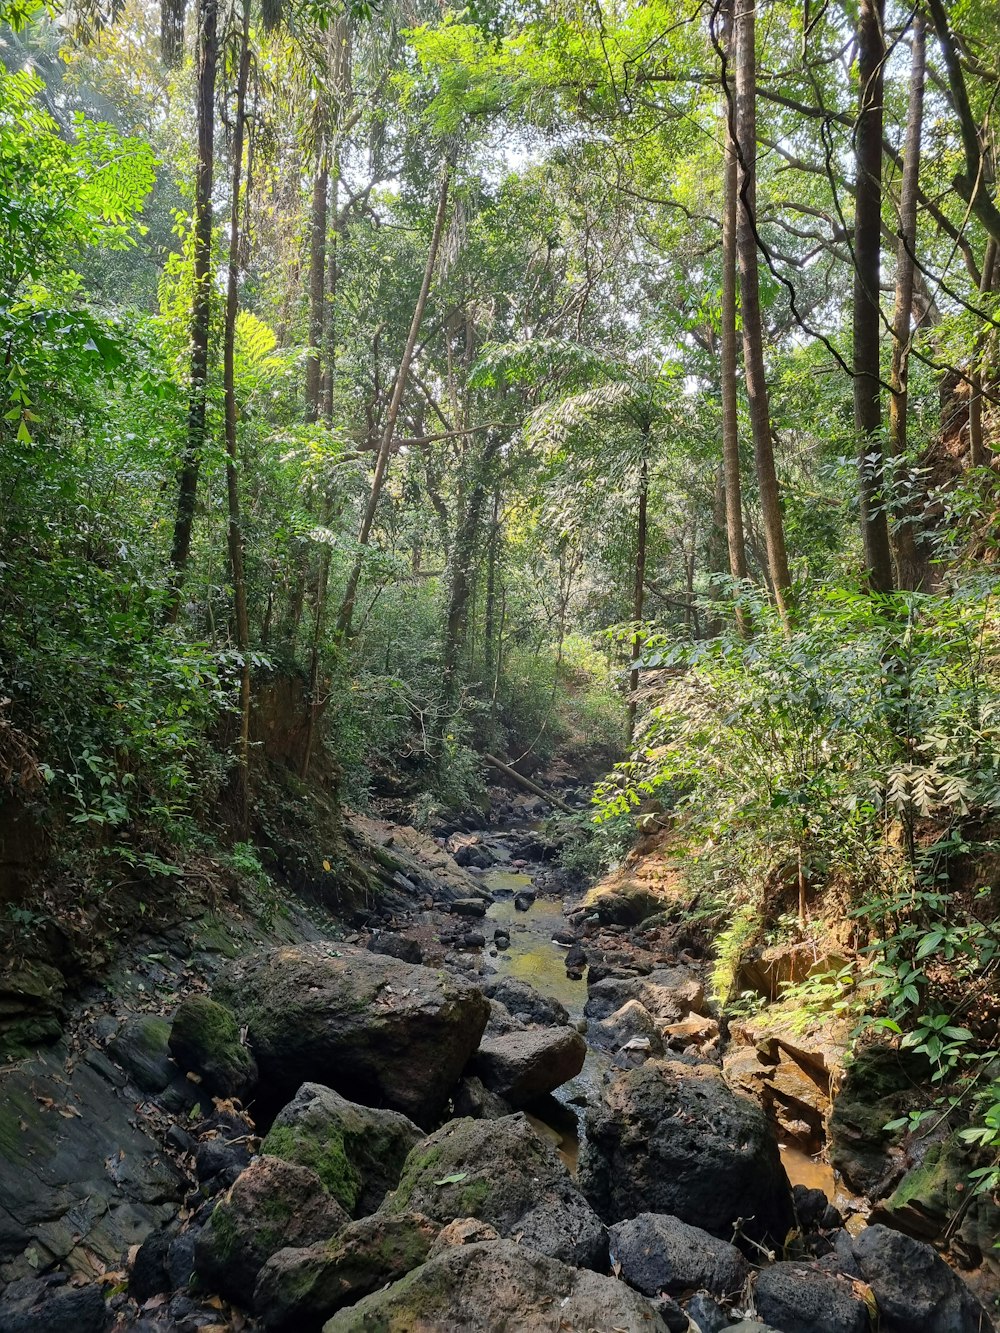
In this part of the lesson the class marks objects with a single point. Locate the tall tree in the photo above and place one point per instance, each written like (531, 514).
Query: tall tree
(201, 300)
(867, 312)
(910, 567)
(753, 329)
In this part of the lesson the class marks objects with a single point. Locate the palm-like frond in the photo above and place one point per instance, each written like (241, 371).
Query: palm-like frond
(536, 362)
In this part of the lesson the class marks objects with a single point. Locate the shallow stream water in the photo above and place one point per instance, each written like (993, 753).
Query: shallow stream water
(536, 958)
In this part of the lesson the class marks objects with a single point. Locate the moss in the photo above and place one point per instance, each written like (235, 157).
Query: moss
(327, 1157)
(416, 1165)
(473, 1197)
(153, 1035)
(224, 1230)
(10, 1133)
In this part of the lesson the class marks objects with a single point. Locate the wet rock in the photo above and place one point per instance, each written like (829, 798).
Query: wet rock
(141, 1047)
(501, 938)
(357, 1151)
(800, 1299)
(661, 1253)
(473, 939)
(297, 1289)
(504, 1173)
(272, 1205)
(915, 1289)
(673, 1138)
(218, 1155)
(469, 907)
(377, 1030)
(576, 959)
(474, 855)
(205, 1038)
(522, 1066)
(43, 1305)
(524, 900)
(813, 1210)
(149, 1275)
(526, 1003)
(631, 1020)
(463, 1288)
(396, 946)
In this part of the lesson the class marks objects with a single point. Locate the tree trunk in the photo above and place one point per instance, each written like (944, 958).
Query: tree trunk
(977, 446)
(639, 583)
(172, 32)
(232, 449)
(201, 301)
(329, 358)
(317, 286)
(346, 615)
(910, 565)
(753, 336)
(732, 480)
(867, 316)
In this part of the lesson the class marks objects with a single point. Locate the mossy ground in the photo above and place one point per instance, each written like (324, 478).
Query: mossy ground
(328, 1157)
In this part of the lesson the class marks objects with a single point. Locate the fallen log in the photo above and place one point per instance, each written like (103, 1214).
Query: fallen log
(519, 780)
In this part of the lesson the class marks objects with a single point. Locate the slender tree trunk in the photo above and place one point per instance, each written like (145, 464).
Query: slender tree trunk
(201, 302)
(317, 286)
(172, 32)
(910, 565)
(867, 316)
(753, 335)
(977, 446)
(732, 480)
(346, 615)
(639, 584)
(232, 444)
(329, 372)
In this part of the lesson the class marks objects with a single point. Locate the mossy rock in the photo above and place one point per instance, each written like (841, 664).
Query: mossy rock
(297, 1288)
(501, 1172)
(272, 1204)
(205, 1038)
(30, 1008)
(357, 1151)
(142, 1048)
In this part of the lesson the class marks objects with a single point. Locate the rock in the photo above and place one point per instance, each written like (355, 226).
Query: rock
(473, 939)
(469, 907)
(673, 1138)
(923, 1204)
(522, 1066)
(631, 1020)
(215, 1156)
(659, 1253)
(671, 1313)
(877, 1088)
(668, 993)
(813, 1210)
(41, 1305)
(501, 938)
(706, 1312)
(463, 1231)
(474, 855)
(800, 1299)
(396, 946)
(149, 1275)
(750, 1326)
(526, 1003)
(628, 905)
(473, 1099)
(205, 1037)
(297, 1289)
(576, 960)
(377, 1030)
(31, 1007)
(357, 1151)
(504, 1173)
(915, 1289)
(273, 1204)
(524, 900)
(461, 1291)
(141, 1047)
(697, 1029)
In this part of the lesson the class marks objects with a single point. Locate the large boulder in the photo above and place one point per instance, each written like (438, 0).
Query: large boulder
(674, 1138)
(273, 1204)
(798, 1298)
(504, 1173)
(658, 1253)
(141, 1047)
(523, 1066)
(205, 1038)
(500, 1287)
(297, 1289)
(46, 1305)
(630, 1021)
(377, 1030)
(357, 1151)
(915, 1289)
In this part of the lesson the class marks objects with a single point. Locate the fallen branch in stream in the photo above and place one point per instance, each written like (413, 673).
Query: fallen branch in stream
(521, 781)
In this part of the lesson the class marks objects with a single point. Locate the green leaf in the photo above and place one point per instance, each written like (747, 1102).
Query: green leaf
(452, 1180)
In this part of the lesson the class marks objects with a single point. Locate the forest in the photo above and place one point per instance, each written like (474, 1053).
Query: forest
(508, 493)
